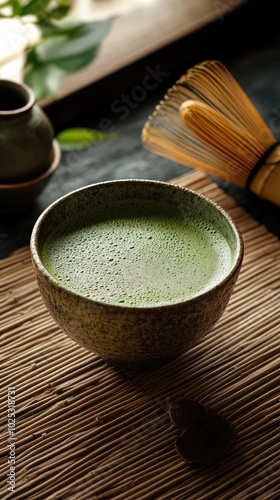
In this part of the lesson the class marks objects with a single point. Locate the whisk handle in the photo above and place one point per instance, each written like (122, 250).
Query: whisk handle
(266, 182)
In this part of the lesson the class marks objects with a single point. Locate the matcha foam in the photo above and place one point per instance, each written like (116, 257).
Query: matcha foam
(137, 254)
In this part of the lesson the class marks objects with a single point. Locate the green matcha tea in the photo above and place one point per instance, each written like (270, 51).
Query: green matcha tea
(137, 254)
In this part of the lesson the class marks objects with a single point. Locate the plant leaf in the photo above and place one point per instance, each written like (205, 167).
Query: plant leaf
(34, 7)
(78, 138)
(60, 10)
(69, 65)
(42, 9)
(16, 7)
(67, 26)
(43, 79)
(67, 46)
(82, 38)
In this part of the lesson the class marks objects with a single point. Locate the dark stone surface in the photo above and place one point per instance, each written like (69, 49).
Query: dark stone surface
(258, 72)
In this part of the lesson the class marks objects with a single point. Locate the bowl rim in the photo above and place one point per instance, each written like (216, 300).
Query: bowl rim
(56, 157)
(118, 307)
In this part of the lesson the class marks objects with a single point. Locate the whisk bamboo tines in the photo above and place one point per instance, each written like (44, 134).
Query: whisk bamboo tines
(206, 121)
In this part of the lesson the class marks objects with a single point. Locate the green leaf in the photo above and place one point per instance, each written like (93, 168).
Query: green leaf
(34, 7)
(43, 79)
(16, 7)
(78, 138)
(67, 47)
(67, 26)
(81, 39)
(69, 65)
(61, 10)
(42, 9)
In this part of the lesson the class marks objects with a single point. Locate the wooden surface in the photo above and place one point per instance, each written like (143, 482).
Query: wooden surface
(85, 431)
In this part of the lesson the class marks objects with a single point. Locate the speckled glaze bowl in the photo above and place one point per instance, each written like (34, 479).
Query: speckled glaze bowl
(125, 336)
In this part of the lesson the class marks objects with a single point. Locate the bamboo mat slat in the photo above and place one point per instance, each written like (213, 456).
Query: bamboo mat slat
(85, 431)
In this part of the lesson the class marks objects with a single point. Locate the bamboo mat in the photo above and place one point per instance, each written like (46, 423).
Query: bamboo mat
(86, 431)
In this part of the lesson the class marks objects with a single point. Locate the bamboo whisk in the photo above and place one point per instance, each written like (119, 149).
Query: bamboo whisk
(206, 121)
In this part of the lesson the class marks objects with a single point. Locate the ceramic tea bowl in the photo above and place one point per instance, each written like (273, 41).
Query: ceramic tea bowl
(130, 269)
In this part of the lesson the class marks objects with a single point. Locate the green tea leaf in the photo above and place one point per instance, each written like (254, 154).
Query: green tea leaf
(78, 138)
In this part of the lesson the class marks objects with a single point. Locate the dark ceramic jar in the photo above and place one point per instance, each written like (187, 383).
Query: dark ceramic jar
(26, 134)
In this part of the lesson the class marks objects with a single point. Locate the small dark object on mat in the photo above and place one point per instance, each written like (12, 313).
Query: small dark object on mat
(204, 436)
